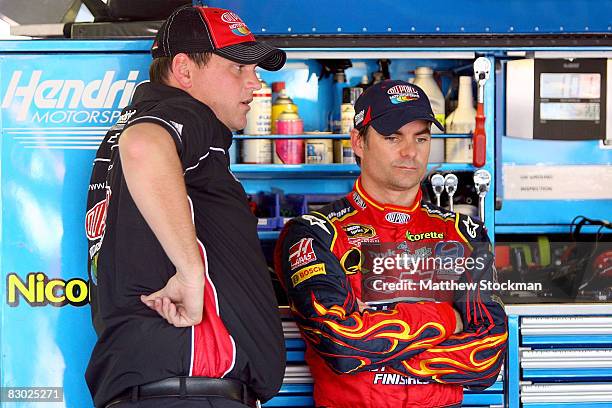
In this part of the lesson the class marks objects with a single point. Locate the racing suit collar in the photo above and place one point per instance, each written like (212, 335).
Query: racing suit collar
(386, 213)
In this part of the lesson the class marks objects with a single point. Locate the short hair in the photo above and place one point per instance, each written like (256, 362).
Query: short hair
(161, 67)
(363, 133)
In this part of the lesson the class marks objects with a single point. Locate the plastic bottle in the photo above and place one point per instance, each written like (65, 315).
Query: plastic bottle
(347, 109)
(424, 79)
(462, 120)
(335, 116)
(365, 83)
(377, 77)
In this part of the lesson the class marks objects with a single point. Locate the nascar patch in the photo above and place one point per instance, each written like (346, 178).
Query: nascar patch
(359, 231)
(307, 273)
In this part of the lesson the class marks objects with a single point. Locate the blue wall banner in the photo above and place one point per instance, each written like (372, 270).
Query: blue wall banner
(56, 109)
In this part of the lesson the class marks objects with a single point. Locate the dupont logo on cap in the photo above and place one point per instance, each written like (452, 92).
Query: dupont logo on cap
(230, 18)
(402, 93)
(197, 29)
(403, 89)
(225, 27)
(237, 26)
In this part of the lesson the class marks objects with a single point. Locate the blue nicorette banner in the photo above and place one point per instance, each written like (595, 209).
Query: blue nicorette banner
(56, 108)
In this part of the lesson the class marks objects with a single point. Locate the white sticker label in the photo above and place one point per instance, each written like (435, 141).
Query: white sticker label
(558, 182)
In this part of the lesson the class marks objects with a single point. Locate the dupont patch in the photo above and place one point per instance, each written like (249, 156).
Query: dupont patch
(397, 217)
(95, 219)
(302, 253)
(307, 273)
(402, 93)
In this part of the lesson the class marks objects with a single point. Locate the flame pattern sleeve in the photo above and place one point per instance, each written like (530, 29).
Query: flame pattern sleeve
(474, 357)
(326, 310)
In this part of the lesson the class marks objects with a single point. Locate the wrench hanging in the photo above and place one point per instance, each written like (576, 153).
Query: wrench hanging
(437, 184)
(450, 185)
(482, 181)
(482, 72)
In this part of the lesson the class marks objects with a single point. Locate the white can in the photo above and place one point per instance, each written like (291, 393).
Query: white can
(343, 152)
(319, 151)
(259, 117)
(257, 151)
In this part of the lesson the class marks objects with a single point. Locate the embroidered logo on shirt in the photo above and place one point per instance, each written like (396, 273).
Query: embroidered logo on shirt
(302, 253)
(307, 273)
(95, 219)
(359, 231)
(316, 221)
(470, 226)
(397, 217)
(359, 201)
(423, 235)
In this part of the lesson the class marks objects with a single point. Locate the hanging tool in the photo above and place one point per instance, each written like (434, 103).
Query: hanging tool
(437, 184)
(482, 72)
(482, 181)
(450, 185)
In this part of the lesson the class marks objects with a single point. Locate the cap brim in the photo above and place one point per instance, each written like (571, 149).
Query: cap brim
(268, 57)
(393, 120)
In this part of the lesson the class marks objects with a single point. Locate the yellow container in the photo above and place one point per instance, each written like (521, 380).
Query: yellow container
(282, 104)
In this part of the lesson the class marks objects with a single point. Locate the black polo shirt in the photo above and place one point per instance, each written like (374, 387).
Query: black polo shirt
(241, 335)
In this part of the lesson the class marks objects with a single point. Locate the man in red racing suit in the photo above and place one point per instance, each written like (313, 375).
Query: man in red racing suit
(405, 355)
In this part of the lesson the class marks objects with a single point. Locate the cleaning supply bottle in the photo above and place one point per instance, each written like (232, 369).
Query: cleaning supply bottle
(335, 118)
(424, 79)
(462, 120)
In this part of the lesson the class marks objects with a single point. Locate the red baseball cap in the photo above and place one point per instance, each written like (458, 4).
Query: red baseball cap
(193, 29)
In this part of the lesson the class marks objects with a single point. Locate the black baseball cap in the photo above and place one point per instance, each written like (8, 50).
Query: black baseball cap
(390, 104)
(193, 29)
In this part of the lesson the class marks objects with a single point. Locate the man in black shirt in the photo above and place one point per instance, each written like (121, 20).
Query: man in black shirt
(180, 292)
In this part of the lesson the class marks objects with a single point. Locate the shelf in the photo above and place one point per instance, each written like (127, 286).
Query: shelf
(334, 170)
(268, 235)
(566, 340)
(336, 136)
(483, 399)
(545, 229)
(567, 373)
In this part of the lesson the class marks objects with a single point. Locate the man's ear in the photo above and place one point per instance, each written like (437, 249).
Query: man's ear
(181, 70)
(357, 142)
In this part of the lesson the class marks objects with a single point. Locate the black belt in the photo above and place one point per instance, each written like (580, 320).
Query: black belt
(183, 387)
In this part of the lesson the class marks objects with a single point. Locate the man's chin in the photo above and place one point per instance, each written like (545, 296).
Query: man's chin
(406, 183)
(234, 127)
